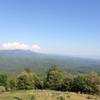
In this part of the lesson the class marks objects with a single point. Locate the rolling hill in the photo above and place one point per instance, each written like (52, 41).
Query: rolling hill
(12, 60)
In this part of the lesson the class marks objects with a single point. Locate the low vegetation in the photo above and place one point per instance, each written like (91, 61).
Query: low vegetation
(45, 95)
(54, 79)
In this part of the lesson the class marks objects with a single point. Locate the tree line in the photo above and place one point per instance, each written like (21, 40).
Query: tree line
(54, 79)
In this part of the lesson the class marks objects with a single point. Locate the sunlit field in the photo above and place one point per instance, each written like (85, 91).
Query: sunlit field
(45, 95)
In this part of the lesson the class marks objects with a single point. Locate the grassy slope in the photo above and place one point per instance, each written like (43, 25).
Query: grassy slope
(45, 95)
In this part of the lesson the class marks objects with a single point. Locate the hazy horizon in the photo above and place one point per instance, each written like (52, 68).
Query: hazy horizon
(64, 27)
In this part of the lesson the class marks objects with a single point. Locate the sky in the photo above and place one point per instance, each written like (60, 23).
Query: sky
(66, 27)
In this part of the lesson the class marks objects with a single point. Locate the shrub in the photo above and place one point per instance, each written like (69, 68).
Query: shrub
(60, 98)
(79, 84)
(2, 89)
(25, 81)
(66, 86)
(93, 83)
(86, 84)
(54, 78)
(38, 82)
(3, 80)
(12, 84)
(89, 97)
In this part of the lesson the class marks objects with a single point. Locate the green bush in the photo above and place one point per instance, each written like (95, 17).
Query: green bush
(3, 80)
(60, 98)
(54, 78)
(25, 81)
(38, 82)
(66, 86)
(86, 84)
(79, 84)
(12, 84)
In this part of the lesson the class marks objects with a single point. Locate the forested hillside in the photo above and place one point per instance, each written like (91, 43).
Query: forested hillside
(20, 59)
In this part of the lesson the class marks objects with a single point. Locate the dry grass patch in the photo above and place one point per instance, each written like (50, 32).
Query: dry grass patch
(45, 95)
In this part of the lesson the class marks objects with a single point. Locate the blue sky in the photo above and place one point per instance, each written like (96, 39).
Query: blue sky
(68, 27)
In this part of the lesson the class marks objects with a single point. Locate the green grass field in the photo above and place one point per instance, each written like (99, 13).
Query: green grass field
(45, 95)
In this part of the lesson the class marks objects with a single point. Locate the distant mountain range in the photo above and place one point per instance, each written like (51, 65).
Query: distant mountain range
(13, 60)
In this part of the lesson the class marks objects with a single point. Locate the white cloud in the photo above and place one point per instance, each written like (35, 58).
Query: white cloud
(18, 45)
(14, 45)
(36, 47)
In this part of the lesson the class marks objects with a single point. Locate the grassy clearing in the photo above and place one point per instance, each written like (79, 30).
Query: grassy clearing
(45, 95)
